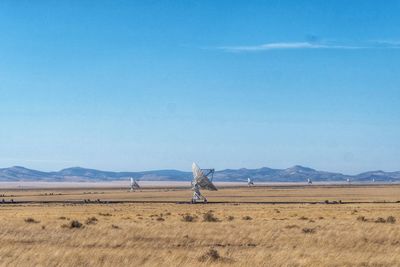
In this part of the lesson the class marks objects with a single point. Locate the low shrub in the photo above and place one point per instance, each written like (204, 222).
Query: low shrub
(391, 219)
(91, 220)
(211, 255)
(105, 214)
(75, 224)
(361, 218)
(30, 220)
(308, 230)
(209, 217)
(188, 218)
(291, 226)
(380, 220)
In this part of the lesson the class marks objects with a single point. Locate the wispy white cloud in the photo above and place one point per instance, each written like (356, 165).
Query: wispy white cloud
(388, 43)
(308, 45)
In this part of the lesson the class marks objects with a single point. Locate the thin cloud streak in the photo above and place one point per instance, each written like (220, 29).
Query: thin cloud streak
(302, 45)
(388, 43)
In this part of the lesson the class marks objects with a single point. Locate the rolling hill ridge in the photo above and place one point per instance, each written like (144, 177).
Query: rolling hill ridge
(293, 174)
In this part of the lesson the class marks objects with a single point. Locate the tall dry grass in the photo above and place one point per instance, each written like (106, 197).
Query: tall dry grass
(134, 235)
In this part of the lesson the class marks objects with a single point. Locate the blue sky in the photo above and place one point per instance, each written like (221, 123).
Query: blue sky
(138, 85)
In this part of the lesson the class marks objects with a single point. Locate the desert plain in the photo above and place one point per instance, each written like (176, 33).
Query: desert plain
(296, 225)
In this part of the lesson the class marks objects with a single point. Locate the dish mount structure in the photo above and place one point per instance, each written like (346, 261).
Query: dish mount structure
(134, 185)
(202, 179)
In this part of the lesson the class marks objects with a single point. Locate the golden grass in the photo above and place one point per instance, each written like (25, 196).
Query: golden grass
(254, 194)
(154, 234)
(133, 234)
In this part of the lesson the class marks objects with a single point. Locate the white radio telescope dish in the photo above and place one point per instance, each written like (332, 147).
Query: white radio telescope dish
(134, 184)
(249, 182)
(201, 180)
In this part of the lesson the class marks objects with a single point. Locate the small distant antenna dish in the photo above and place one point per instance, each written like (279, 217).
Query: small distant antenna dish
(348, 180)
(373, 180)
(249, 182)
(201, 180)
(134, 185)
(309, 181)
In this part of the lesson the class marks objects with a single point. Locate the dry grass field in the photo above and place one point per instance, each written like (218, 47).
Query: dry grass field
(291, 193)
(230, 234)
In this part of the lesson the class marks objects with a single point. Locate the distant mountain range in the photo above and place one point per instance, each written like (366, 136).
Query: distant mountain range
(293, 174)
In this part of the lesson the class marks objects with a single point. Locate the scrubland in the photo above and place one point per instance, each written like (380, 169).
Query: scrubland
(156, 234)
(220, 235)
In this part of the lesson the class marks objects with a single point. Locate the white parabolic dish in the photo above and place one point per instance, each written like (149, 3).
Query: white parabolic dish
(201, 179)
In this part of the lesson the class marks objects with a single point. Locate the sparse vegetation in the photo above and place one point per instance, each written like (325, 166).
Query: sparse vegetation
(105, 214)
(210, 255)
(75, 224)
(30, 220)
(361, 218)
(210, 217)
(188, 218)
(380, 220)
(91, 220)
(270, 238)
(391, 219)
(308, 230)
(247, 218)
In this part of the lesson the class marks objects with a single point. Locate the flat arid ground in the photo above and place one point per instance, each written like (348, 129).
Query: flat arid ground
(239, 227)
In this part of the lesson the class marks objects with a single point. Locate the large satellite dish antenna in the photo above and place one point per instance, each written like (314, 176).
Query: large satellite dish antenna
(201, 180)
(134, 185)
(250, 182)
